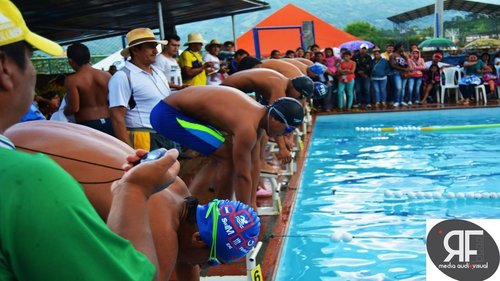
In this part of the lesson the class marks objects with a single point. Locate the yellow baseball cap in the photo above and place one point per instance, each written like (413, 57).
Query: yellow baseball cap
(13, 29)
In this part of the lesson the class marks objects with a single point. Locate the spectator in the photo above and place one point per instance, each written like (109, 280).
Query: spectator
(238, 56)
(389, 49)
(308, 55)
(48, 103)
(232, 164)
(489, 72)
(135, 89)
(314, 48)
(112, 69)
(216, 72)
(437, 57)
(473, 69)
(399, 62)
(87, 91)
(192, 66)
(346, 71)
(497, 58)
(33, 114)
(167, 63)
(380, 69)
(289, 54)
(228, 46)
(49, 229)
(417, 65)
(299, 52)
(431, 80)
(363, 69)
(275, 54)
(226, 54)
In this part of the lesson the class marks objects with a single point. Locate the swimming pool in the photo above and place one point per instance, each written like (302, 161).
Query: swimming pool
(386, 185)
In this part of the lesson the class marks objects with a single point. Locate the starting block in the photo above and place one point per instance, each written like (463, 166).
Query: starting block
(275, 209)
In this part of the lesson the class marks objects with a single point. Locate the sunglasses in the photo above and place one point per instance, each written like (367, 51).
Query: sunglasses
(214, 208)
(288, 129)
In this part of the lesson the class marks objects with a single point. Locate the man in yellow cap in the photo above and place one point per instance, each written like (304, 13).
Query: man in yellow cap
(48, 229)
(136, 89)
(191, 63)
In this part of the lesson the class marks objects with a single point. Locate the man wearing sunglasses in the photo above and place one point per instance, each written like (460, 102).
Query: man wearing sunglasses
(224, 124)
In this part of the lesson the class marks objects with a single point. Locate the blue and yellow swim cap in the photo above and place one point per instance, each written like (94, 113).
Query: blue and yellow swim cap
(237, 230)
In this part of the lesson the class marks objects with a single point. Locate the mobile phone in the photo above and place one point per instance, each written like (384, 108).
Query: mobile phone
(153, 155)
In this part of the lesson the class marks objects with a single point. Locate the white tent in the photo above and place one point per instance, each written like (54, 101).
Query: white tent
(114, 59)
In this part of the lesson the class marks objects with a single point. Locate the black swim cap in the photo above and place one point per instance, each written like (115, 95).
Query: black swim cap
(248, 62)
(288, 109)
(303, 85)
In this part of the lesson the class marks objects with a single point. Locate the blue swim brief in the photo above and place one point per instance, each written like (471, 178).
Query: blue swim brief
(187, 131)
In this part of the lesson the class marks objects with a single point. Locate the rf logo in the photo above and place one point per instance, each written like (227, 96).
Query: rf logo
(462, 250)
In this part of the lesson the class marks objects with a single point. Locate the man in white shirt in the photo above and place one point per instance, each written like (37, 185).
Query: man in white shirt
(166, 62)
(135, 90)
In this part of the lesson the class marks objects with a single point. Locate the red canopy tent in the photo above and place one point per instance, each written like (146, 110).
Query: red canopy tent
(326, 35)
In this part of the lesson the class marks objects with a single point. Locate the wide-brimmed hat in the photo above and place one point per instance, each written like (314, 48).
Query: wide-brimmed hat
(214, 42)
(13, 29)
(139, 36)
(194, 37)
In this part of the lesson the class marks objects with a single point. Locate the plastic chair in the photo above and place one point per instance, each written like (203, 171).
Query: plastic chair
(451, 77)
(481, 93)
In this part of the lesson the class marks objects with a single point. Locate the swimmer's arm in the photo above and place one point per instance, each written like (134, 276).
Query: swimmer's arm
(284, 153)
(118, 122)
(164, 235)
(242, 163)
(73, 99)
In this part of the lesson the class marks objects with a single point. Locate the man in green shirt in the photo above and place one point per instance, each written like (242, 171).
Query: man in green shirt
(48, 229)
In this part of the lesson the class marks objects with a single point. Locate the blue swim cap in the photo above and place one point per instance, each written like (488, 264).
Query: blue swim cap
(319, 90)
(317, 68)
(237, 230)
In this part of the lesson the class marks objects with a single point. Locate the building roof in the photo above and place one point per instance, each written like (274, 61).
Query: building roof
(459, 5)
(326, 35)
(66, 21)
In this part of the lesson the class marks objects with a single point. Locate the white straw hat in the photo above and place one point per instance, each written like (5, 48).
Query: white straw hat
(194, 37)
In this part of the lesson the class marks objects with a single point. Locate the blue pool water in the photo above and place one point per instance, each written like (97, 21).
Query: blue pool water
(366, 169)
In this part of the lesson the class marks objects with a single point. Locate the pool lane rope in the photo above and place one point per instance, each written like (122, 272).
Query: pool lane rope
(346, 237)
(390, 194)
(426, 129)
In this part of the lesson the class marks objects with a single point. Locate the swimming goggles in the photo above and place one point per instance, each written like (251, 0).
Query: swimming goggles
(214, 209)
(288, 128)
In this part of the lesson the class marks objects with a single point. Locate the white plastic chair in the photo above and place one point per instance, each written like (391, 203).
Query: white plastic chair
(481, 94)
(451, 77)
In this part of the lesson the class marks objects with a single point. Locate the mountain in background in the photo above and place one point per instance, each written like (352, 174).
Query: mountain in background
(339, 13)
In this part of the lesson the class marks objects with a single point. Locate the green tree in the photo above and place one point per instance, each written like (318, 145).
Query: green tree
(365, 31)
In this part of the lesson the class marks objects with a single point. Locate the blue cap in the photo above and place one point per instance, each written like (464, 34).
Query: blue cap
(317, 68)
(237, 230)
(319, 90)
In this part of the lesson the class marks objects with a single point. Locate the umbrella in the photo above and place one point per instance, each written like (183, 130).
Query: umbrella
(354, 45)
(437, 43)
(483, 44)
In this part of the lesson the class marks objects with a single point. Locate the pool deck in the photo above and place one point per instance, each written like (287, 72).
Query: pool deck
(273, 227)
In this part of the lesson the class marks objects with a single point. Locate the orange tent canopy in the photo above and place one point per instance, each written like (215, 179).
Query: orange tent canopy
(326, 35)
